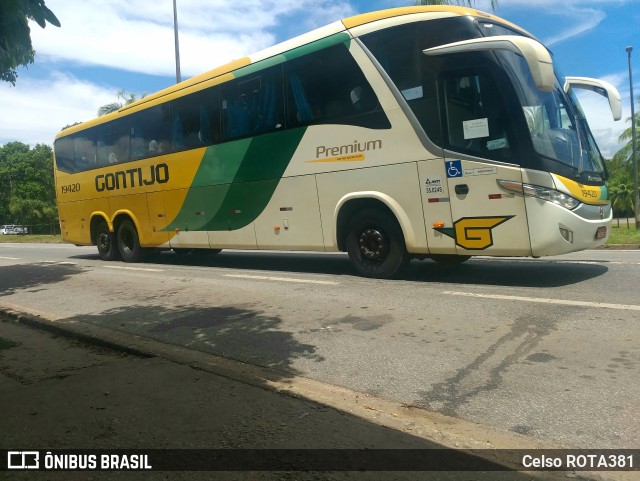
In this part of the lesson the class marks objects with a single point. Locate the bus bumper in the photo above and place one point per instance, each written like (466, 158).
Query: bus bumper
(555, 230)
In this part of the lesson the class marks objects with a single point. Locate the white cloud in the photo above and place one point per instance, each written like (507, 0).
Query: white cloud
(38, 109)
(138, 35)
(586, 19)
(583, 15)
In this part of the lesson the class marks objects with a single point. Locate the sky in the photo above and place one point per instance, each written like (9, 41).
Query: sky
(108, 45)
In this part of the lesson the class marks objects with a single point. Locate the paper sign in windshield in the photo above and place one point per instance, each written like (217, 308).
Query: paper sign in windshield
(475, 129)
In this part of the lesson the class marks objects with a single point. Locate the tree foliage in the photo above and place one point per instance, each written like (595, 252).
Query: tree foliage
(15, 34)
(122, 98)
(620, 170)
(27, 188)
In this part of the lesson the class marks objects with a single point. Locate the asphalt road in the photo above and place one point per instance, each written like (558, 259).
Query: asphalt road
(548, 348)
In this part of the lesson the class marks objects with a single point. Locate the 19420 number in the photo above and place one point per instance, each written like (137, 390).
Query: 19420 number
(68, 189)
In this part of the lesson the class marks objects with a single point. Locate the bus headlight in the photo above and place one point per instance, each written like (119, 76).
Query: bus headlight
(544, 193)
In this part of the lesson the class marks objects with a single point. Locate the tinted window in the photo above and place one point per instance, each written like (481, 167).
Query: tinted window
(399, 52)
(150, 132)
(475, 119)
(329, 87)
(64, 154)
(113, 142)
(195, 120)
(84, 150)
(253, 105)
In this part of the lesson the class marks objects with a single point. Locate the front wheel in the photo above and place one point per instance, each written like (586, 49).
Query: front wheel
(106, 243)
(129, 242)
(376, 245)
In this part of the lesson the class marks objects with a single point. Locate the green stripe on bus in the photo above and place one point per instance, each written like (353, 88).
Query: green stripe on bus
(294, 53)
(235, 182)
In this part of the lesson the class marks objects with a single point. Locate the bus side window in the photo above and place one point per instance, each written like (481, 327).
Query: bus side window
(253, 106)
(195, 120)
(113, 142)
(150, 132)
(64, 154)
(328, 87)
(474, 116)
(84, 151)
(64, 149)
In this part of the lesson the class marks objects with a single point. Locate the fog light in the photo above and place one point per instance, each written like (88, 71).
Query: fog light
(566, 234)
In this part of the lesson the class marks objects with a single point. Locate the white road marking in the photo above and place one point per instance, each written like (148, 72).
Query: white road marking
(58, 263)
(11, 258)
(145, 269)
(281, 279)
(542, 300)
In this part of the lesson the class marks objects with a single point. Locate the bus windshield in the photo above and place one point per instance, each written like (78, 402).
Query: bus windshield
(556, 122)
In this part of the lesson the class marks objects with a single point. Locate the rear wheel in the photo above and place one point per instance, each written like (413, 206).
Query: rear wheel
(129, 242)
(106, 243)
(376, 245)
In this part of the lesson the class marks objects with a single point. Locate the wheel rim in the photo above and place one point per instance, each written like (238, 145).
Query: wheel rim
(104, 242)
(373, 244)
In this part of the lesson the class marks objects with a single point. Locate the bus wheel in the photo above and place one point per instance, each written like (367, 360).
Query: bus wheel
(376, 245)
(129, 242)
(449, 259)
(106, 243)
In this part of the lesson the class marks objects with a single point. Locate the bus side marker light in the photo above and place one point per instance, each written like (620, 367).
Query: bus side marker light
(276, 228)
(438, 225)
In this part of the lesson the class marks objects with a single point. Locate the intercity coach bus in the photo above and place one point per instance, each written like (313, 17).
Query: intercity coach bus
(427, 132)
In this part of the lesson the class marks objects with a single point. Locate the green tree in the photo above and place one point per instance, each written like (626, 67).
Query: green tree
(15, 36)
(27, 189)
(621, 195)
(467, 3)
(626, 151)
(620, 170)
(122, 98)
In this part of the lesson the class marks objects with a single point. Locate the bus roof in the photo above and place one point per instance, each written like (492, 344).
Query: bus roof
(224, 72)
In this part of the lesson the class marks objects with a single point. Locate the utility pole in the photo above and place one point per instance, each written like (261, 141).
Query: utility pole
(175, 30)
(634, 153)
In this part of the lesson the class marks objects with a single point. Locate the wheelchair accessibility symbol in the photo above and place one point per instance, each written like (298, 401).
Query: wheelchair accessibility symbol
(454, 168)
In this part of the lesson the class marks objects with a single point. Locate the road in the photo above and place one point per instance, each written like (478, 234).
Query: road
(548, 348)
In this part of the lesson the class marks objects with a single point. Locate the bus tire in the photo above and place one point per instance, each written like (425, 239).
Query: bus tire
(129, 242)
(106, 243)
(376, 245)
(449, 259)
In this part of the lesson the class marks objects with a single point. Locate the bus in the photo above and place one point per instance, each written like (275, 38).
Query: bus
(421, 132)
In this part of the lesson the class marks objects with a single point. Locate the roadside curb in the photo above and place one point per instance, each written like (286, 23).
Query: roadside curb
(414, 420)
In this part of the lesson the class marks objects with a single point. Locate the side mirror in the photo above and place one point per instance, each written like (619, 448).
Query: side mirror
(536, 55)
(601, 88)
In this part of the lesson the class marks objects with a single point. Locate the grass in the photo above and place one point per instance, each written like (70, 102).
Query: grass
(622, 235)
(26, 239)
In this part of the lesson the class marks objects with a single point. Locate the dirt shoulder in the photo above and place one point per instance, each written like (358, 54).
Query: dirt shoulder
(59, 392)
